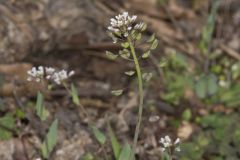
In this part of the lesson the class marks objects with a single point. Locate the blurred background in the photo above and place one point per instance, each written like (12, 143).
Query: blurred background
(191, 82)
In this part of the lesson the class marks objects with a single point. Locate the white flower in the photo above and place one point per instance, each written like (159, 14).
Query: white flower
(235, 67)
(178, 149)
(35, 74)
(167, 143)
(49, 73)
(177, 141)
(59, 77)
(122, 24)
(49, 70)
(223, 83)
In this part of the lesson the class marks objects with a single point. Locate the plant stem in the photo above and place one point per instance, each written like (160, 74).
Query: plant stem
(140, 92)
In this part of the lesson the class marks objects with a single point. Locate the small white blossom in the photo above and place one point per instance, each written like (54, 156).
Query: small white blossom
(167, 144)
(59, 77)
(178, 149)
(48, 73)
(122, 25)
(166, 141)
(177, 141)
(35, 74)
(49, 70)
(223, 83)
(235, 67)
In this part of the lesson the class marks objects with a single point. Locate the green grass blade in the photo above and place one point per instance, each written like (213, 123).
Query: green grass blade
(125, 153)
(51, 140)
(115, 144)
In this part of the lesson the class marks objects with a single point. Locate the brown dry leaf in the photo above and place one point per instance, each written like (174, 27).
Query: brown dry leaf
(185, 130)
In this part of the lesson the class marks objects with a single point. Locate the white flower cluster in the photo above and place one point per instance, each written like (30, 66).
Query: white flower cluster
(167, 143)
(59, 77)
(122, 25)
(40, 73)
(36, 74)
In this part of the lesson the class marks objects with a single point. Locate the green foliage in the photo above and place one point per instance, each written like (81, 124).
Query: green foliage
(125, 152)
(219, 138)
(151, 39)
(154, 44)
(101, 138)
(88, 156)
(111, 55)
(114, 142)
(40, 108)
(74, 94)
(162, 2)
(146, 54)
(50, 141)
(230, 97)
(125, 45)
(209, 28)
(187, 115)
(7, 121)
(176, 78)
(117, 92)
(206, 85)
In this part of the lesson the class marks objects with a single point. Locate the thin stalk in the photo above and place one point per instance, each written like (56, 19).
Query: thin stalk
(140, 92)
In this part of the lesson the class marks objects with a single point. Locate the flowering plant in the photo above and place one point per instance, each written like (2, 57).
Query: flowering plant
(124, 29)
(170, 147)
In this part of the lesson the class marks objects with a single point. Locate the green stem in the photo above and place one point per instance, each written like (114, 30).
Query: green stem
(140, 92)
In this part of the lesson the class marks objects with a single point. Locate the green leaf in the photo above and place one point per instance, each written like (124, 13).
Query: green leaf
(74, 94)
(146, 54)
(40, 108)
(115, 144)
(187, 114)
(51, 140)
(19, 113)
(88, 156)
(111, 55)
(212, 84)
(99, 135)
(129, 73)
(125, 45)
(154, 44)
(9, 122)
(206, 85)
(117, 92)
(151, 39)
(125, 153)
(200, 87)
